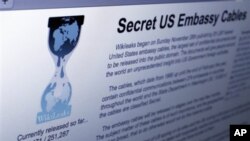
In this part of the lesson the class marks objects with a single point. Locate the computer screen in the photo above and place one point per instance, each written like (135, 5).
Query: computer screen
(110, 70)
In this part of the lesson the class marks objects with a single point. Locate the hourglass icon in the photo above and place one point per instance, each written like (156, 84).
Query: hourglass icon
(63, 37)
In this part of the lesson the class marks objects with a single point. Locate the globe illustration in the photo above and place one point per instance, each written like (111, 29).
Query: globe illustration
(63, 38)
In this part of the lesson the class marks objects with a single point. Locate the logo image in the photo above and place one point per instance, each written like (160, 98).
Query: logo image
(63, 37)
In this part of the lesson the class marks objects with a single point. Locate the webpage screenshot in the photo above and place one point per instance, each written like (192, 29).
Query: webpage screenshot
(146, 71)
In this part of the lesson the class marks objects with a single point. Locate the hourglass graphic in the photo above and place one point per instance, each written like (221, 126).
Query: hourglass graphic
(63, 37)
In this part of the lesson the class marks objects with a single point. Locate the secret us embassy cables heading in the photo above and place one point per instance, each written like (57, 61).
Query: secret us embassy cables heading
(181, 20)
